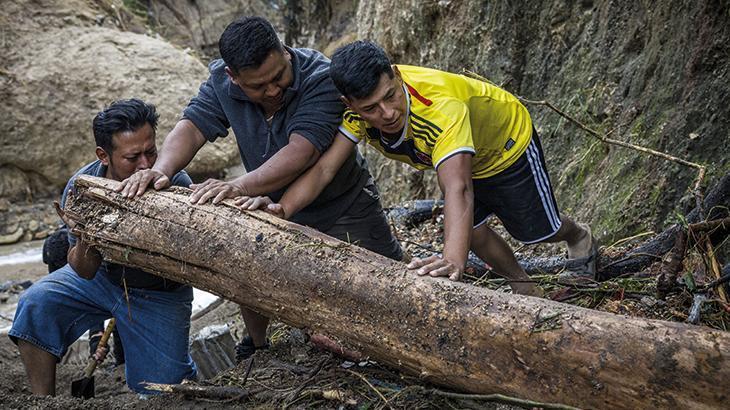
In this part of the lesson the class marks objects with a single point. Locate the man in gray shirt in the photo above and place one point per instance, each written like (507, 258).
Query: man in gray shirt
(284, 111)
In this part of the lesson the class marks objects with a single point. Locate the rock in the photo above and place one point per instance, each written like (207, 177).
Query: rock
(15, 286)
(318, 24)
(100, 65)
(12, 226)
(33, 225)
(213, 350)
(648, 301)
(12, 237)
(46, 122)
(200, 24)
(41, 234)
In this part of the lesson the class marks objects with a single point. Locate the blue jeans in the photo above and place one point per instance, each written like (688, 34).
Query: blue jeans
(59, 308)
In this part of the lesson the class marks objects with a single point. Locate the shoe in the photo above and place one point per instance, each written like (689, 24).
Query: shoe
(584, 267)
(245, 348)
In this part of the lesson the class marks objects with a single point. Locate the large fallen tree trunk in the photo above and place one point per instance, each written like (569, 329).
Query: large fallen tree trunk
(452, 334)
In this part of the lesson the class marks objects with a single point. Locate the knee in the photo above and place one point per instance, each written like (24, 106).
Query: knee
(32, 296)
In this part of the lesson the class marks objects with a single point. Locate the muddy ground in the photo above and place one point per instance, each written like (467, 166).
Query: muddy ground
(296, 374)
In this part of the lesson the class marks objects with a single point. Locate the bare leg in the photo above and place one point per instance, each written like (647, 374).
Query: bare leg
(494, 250)
(578, 238)
(40, 367)
(256, 325)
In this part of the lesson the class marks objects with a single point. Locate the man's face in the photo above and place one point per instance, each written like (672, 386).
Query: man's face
(132, 151)
(266, 84)
(386, 108)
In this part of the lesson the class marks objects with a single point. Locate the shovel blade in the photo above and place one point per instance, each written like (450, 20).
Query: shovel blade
(83, 387)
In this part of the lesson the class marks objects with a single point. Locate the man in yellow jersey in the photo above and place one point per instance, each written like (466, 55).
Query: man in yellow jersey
(480, 140)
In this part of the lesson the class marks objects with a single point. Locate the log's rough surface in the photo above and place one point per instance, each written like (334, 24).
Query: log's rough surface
(452, 334)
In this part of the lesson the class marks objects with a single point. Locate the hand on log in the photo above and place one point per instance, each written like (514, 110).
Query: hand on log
(435, 266)
(248, 203)
(214, 190)
(137, 184)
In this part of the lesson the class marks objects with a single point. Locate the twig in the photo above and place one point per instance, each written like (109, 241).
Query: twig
(501, 398)
(209, 392)
(248, 372)
(126, 294)
(633, 255)
(710, 225)
(293, 396)
(424, 247)
(717, 282)
(630, 238)
(119, 18)
(372, 387)
(715, 267)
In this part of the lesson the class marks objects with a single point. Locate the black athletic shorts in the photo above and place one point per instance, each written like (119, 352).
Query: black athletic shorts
(364, 224)
(521, 197)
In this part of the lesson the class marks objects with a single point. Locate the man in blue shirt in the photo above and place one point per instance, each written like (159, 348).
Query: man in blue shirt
(284, 111)
(152, 315)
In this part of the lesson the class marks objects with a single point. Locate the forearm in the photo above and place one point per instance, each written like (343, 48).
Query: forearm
(270, 177)
(305, 190)
(308, 187)
(84, 260)
(458, 223)
(281, 169)
(179, 148)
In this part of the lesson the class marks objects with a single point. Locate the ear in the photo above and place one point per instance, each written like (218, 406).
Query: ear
(397, 72)
(103, 156)
(230, 74)
(346, 101)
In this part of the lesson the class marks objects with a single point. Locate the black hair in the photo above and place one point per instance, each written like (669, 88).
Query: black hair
(247, 42)
(121, 116)
(357, 67)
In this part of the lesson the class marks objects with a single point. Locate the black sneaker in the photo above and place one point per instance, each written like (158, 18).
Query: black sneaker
(246, 349)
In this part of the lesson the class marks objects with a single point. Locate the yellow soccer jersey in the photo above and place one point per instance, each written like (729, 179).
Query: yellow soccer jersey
(449, 114)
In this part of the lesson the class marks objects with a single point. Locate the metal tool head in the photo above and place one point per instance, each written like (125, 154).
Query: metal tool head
(83, 387)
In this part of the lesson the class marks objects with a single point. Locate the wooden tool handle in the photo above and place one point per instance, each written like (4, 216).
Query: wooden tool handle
(104, 339)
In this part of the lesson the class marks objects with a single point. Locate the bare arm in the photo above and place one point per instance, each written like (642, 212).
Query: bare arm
(454, 176)
(84, 259)
(179, 148)
(280, 170)
(308, 186)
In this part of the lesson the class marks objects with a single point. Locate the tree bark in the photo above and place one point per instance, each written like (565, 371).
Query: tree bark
(452, 334)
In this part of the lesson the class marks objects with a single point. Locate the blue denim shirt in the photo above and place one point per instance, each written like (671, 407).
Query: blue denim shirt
(312, 109)
(136, 278)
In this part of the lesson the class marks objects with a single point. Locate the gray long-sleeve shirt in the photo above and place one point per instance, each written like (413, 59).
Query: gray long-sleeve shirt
(312, 109)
